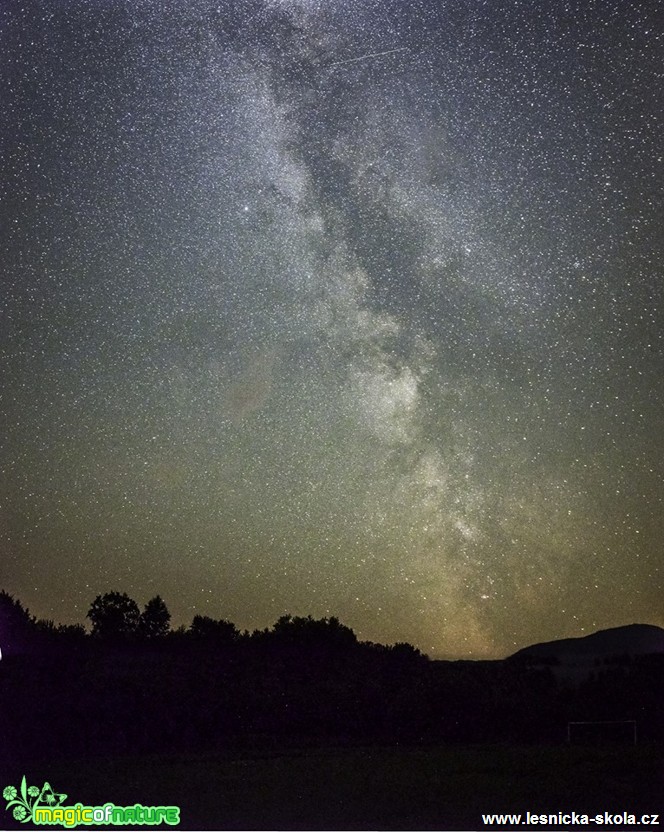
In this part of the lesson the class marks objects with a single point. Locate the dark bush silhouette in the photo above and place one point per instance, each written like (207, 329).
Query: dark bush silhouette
(311, 632)
(114, 615)
(219, 631)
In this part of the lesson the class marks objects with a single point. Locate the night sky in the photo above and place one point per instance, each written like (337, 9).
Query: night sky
(341, 307)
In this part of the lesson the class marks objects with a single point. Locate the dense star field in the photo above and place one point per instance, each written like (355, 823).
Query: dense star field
(341, 307)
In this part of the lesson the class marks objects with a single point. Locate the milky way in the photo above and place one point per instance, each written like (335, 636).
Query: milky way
(343, 308)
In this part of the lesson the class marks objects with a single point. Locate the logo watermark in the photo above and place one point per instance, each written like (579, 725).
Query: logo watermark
(46, 807)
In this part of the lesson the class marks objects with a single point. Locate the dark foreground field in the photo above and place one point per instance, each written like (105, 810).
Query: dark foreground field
(302, 726)
(369, 788)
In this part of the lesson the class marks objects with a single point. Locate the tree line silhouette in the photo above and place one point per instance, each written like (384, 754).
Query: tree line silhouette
(133, 685)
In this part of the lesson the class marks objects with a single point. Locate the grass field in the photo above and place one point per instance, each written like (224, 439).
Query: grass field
(369, 788)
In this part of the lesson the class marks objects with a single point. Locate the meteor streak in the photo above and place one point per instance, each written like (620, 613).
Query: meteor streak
(369, 55)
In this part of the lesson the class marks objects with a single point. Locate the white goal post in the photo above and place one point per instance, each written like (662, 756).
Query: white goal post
(602, 729)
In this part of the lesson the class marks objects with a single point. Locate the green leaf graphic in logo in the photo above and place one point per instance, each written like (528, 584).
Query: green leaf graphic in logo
(22, 803)
(49, 797)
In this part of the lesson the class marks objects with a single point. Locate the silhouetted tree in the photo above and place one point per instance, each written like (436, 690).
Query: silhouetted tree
(155, 619)
(323, 632)
(17, 626)
(114, 615)
(406, 653)
(216, 630)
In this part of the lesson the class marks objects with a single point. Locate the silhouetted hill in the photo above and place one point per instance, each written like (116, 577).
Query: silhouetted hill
(631, 640)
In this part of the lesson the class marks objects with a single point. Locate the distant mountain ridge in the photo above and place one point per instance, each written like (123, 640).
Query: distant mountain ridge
(632, 640)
